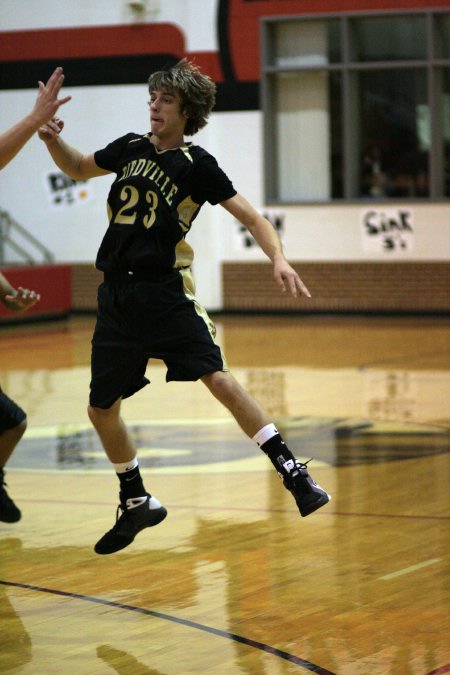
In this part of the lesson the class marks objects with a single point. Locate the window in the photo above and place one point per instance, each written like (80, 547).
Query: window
(388, 38)
(393, 119)
(357, 107)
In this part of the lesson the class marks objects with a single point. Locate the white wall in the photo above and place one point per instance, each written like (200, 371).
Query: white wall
(196, 16)
(97, 115)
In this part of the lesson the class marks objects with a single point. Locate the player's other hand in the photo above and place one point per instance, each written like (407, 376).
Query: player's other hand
(287, 279)
(50, 131)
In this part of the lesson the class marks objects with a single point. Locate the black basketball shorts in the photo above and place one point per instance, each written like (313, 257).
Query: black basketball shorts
(138, 320)
(10, 413)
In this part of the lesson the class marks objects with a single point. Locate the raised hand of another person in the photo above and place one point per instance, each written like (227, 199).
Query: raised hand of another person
(47, 102)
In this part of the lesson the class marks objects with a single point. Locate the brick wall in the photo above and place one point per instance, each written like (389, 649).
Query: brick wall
(335, 287)
(342, 287)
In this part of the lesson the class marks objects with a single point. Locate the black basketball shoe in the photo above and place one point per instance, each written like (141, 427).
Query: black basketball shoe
(9, 513)
(308, 495)
(137, 514)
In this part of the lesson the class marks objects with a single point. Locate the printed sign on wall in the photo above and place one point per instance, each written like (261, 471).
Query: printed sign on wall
(245, 240)
(64, 191)
(387, 230)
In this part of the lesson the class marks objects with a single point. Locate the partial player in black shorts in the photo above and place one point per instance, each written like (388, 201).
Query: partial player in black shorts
(147, 305)
(13, 420)
(11, 415)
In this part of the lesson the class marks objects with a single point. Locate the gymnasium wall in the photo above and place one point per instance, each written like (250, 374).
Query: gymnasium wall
(107, 52)
(248, 287)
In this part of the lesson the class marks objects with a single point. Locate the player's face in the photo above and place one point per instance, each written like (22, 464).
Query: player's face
(166, 119)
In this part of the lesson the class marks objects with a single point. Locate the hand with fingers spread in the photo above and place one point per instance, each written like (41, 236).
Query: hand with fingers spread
(45, 107)
(47, 101)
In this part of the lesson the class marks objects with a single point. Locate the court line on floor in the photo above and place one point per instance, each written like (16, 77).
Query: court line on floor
(174, 619)
(411, 568)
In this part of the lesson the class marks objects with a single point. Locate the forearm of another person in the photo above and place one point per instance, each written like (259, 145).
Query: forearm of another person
(13, 140)
(5, 287)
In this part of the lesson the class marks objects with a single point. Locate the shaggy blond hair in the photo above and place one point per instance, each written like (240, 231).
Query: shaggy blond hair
(197, 92)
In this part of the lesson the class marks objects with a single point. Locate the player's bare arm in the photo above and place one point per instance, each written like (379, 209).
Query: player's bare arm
(70, 160)
(285, 276)
(45, 107)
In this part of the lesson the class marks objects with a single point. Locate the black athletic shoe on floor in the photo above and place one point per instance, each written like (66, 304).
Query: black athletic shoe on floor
(308, 495)
(9, 513)
(137, 514)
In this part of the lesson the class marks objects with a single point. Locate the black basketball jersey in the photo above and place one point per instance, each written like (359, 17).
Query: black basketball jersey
(153, 202)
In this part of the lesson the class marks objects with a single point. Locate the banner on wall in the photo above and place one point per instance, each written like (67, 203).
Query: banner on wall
(243, 238)
(64, 191)
(387, 230)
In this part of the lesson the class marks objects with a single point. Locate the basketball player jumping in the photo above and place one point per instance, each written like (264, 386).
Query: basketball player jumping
(146, 304)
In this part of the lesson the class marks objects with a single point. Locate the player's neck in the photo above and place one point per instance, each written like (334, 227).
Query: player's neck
(171, 143)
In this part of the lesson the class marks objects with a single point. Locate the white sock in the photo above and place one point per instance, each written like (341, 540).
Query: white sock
(265, 434)
(126, 466)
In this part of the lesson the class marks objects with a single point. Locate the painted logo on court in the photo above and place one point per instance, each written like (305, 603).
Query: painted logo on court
(221, 446)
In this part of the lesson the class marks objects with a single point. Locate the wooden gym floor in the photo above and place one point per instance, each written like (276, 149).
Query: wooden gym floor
(234, 580)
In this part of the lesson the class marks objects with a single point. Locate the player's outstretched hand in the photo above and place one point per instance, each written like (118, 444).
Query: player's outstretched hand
(47, 101)
(22, 300)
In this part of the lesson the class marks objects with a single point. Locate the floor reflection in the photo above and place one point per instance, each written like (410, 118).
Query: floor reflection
(15, 642)
(234, 581)
(124, 663)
